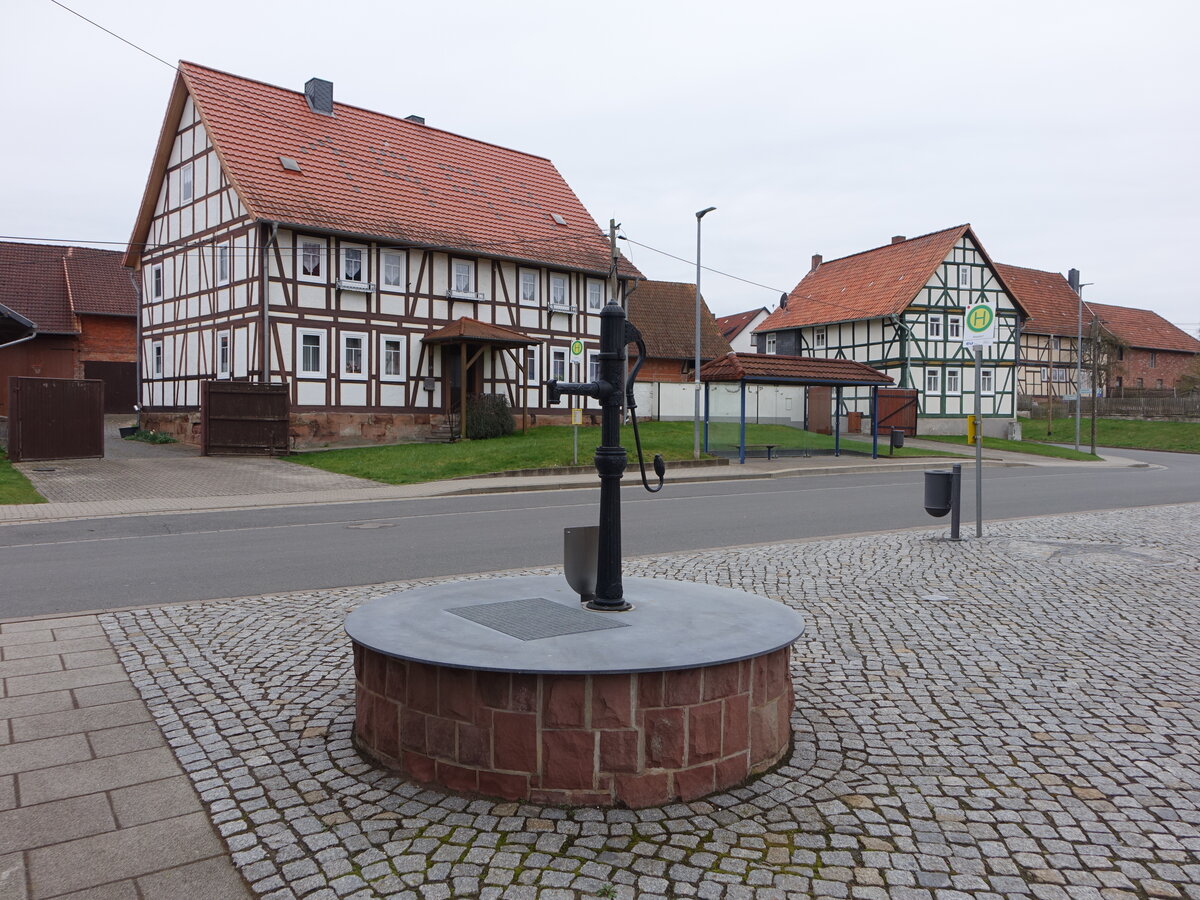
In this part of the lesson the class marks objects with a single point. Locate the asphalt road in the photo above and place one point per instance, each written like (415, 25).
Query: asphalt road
(90, 564)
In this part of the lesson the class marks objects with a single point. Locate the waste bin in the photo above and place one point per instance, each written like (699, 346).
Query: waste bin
(939, 485)
(897, 438)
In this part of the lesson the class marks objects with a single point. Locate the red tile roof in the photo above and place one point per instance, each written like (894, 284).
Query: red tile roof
(665, 313)
(50, 284)
(368, 174)
(1142, 328)
(468, 329)
(1052, 306)
(867, 285)
(767, 367)
(731, 326)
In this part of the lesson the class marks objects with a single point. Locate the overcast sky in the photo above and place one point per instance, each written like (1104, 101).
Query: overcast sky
(1066, 133)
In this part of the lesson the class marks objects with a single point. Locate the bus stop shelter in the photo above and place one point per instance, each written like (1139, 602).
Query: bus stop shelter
(744, 369)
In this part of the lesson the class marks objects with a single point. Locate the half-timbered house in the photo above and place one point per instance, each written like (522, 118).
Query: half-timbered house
(1049, 335)
(900, 309)
(382, 268)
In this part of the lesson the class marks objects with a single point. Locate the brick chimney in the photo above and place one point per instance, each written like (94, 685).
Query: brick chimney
(898, 239)
(816, 261)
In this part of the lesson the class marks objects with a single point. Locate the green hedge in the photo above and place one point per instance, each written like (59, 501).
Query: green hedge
(488, 416)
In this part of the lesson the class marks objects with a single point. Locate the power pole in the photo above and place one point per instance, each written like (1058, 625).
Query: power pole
(1095, 374)
(1073, 281)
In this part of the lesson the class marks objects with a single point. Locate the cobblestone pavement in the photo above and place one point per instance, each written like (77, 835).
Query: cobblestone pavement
(1010, 717)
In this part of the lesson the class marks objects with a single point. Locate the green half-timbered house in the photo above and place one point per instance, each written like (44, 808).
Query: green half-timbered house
(900, 308)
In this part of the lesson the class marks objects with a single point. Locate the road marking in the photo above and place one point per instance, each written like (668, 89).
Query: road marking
(471, 512)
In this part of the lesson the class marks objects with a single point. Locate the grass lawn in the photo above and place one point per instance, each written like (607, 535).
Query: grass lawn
(1133, 433)
(1031, 447)
(15, 487)
(542, 447)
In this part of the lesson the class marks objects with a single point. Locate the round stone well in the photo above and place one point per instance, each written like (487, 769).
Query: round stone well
(510, 688)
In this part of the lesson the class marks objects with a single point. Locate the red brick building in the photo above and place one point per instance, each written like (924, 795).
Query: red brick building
(1153, 355)
(84, 304)
(665, 313)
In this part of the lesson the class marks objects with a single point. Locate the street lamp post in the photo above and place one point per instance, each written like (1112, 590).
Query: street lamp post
(696, 414)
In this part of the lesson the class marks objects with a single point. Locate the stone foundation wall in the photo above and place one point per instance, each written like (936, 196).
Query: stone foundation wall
(636, 740)
(316, 429)
(183, 426)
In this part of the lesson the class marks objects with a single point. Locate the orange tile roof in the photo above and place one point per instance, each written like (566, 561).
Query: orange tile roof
(50, 284)
(468, 329)
(372, 175)
(665, 313)
(1052, 306)
(867, 285)
(768, 368)
(1143, 328)
(731, 326)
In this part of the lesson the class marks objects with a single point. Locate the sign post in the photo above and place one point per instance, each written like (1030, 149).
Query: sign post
(576, 412)
(980, 332)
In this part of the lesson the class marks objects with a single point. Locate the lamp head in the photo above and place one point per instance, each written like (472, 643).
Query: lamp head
(704, 212)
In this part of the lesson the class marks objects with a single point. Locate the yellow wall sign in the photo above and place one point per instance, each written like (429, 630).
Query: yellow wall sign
(577, 348)
(577, 416)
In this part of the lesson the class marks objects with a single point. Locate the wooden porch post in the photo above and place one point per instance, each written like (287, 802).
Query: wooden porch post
(462, 391)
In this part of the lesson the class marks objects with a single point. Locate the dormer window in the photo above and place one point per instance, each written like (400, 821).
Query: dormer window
(186, 183)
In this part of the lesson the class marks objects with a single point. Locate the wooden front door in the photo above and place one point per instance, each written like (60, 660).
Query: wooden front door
(452, 365)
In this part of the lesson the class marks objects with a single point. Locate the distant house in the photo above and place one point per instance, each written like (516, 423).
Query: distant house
(900, 309)
(1152, 353)
(665, 313)
(84, 305)
(738, 328)
(380, 267)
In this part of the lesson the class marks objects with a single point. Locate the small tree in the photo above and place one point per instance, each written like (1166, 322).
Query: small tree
(1189, 381)
(488, 416)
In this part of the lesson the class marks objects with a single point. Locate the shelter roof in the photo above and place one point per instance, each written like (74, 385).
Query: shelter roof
(50, 284)
(768, 368)
(471, 330)
(732, 325)
(1143, 328)
(14, 326)
(373, 175)
(665, 313)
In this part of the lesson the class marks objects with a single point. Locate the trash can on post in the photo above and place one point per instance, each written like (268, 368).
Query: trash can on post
(897, 438)
(938, 491)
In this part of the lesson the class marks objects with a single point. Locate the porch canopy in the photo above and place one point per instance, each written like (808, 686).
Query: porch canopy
(768, 368)
(466, 332)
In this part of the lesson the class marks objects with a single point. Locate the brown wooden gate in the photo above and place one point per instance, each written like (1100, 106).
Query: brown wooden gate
(820, 409)
(55, 418)
(243, 418)
(897, 409)
(120, 383)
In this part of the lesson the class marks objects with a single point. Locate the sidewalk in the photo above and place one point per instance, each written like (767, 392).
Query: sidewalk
(205, 484)
(1008, 717)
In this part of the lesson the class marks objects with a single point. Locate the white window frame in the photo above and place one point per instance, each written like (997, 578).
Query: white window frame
(322, 353)
(385, 354)
(364, 256)
(771, 342)
(964, 277)
(954, 328)
(933, 328)
(224, 354)
(820, 338)
(533, 355)
(398, 259)
(157, 282)
(987, 382)
(595, 294)
(364, 362)
(462, 267)
(593, 365)
(224, 262)
(1059, 374)
(187, 183)
(558, 280)
(953, 381)
(157, 359)
(933, 382)
(527, 278)
(322, 248)
(1045, 373)
(558, 358)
